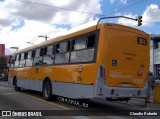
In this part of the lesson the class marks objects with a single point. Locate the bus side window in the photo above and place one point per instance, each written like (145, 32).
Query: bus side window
(38, 56)
(80, 43)
(62, 53)
(57, 48)
(83, 49)
(12, 62)
(73, 43)
(25, 55)
(45, 51)
(22, 60)
(68, 46)
(41, 52)
(33, 53)
(29, 58)
(63, 47)
(15, 57)
(17, 60)
(91, 41)
(48, 57)
(19, 57)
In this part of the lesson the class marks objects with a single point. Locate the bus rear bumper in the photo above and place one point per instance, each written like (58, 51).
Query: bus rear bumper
(120, 92)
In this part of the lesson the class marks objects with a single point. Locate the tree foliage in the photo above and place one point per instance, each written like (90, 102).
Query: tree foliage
(3, 64)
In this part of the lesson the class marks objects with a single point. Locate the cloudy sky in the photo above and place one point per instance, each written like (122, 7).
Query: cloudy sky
(22, 21)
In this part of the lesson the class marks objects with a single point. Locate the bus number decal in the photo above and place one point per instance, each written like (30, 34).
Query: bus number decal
(141, 41)
(137, 81)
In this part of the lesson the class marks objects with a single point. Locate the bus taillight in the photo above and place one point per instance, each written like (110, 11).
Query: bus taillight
(102, 74)
(101, 71)
(139, 73)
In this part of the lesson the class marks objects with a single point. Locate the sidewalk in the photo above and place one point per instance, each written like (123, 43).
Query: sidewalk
(152, 105)
(141, 103)
(5, 83)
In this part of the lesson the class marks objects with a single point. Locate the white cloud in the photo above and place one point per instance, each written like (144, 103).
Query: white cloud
(121, 1)
(49, 11)
(6, 19)
(112, 1)
(32, 28)
(26, 33)
(40, 19)
(151, 15)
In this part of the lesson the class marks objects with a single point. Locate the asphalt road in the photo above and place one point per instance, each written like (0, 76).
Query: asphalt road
(27, 100)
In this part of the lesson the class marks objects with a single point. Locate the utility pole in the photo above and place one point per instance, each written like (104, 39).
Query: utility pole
(44, 37)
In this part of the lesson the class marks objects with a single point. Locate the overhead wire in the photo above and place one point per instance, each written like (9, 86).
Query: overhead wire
(130, 5)
(57, 7)
(118, 8)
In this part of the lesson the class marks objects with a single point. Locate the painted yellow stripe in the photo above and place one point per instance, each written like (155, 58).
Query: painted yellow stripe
(51, 103)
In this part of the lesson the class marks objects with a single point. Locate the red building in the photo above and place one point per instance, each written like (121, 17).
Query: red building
(2, 54)
(2, 50)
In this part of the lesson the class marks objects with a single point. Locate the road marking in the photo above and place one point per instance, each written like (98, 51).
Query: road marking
(8, 93)
(80, 117)
(5, 88)
(51, 103)
(116, 117)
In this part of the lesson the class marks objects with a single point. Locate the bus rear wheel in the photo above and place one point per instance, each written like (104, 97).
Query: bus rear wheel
(47, 90)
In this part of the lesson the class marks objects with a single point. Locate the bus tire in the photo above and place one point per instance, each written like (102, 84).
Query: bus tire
(47, 90)
(16, 88)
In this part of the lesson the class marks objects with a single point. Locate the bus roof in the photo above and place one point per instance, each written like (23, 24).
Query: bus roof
(86, 30)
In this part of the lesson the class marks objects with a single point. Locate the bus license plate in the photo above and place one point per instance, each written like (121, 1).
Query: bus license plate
(126, 85)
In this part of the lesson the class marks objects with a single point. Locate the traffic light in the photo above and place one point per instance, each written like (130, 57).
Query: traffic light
(139, 20)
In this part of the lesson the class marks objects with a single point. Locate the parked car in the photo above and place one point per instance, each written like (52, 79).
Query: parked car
(4, 77)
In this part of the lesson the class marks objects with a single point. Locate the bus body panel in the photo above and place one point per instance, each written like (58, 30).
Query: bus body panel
(70, 90)
(127, 61)
(61, 73)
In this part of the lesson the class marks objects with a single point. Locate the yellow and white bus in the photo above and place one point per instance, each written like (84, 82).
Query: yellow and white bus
(105, 61)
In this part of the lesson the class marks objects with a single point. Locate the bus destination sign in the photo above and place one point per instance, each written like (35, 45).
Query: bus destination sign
(141, 41)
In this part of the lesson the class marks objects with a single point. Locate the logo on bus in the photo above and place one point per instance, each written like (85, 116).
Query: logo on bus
(114, 62)
(48, 70)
